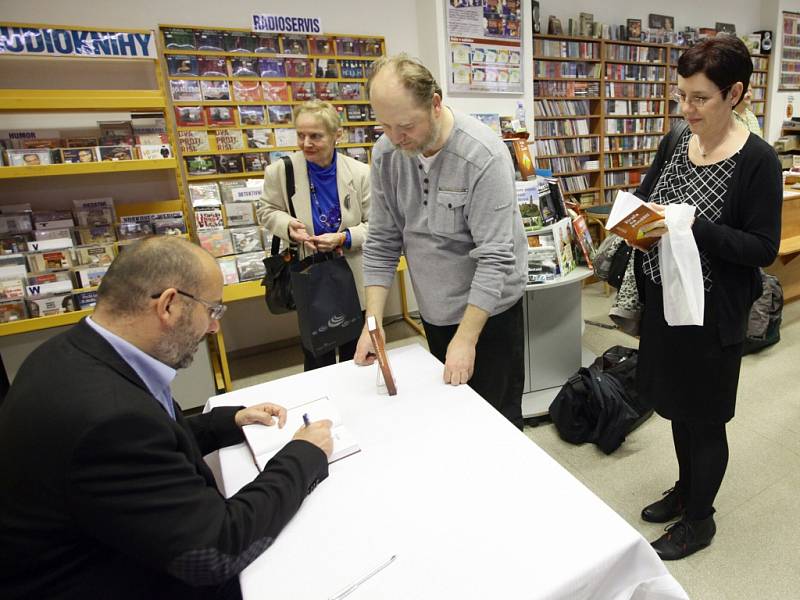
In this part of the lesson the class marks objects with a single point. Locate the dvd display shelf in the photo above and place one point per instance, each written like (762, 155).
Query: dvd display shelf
(66, 98)
(233, 93)
(67, 93)
(602, 106)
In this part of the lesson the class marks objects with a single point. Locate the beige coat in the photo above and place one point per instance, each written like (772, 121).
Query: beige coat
(352, 179)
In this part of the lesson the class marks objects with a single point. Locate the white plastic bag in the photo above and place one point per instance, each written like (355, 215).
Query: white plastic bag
(681, 275)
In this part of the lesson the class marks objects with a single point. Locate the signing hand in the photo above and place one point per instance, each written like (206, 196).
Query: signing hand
(317, 433)
(365, 352)
(261, 413)
(328, 242)
(459, 362)
(298, 233)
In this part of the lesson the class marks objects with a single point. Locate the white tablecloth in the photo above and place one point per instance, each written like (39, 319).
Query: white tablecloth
(471, 507)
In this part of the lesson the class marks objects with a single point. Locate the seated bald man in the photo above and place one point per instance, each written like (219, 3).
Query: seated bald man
(105, 491)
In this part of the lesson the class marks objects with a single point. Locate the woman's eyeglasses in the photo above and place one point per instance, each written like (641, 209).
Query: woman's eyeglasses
(697, 101)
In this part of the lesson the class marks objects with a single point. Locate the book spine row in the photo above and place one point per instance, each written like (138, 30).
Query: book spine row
(566, 70)
(634, 53)
(646, 142)
(562, 127)
(635, 72)
(634, 107)
(567, 163)
(646, 125)
(575, 183)
(623, 178)
(567, 89)
(639, 159)
(567, 146)
(634, 90)
(566, 49)
(554, 108)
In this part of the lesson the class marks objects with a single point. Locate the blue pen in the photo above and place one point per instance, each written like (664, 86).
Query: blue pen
(306, 420)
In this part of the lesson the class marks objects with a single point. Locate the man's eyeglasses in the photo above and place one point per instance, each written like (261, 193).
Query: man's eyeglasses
(696, 101)
(215, 310)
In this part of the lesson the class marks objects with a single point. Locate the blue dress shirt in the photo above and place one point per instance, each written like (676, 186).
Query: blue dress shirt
(156, 375)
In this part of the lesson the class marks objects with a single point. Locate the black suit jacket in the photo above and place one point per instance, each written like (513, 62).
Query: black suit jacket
(105, 496)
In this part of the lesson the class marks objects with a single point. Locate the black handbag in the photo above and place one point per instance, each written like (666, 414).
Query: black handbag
(277, 281)
(328, 309)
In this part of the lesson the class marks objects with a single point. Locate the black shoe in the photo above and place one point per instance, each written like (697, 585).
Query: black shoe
(684, 538)
(670, 507)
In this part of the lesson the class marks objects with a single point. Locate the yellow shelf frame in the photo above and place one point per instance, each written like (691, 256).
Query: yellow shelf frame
(69, 100)
(46, 322)
(115, 166)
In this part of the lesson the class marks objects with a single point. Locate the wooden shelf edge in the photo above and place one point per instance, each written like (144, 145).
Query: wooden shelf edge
(66, 100)
(86, 168)
(39, 323)
(242, 291)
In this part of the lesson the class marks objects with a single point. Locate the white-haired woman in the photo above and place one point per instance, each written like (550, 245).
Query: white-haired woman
(331, 202)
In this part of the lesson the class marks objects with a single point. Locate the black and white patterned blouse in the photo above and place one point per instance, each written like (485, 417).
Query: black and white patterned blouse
(683, 182)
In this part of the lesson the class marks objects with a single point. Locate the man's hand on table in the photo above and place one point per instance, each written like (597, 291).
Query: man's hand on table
(264, 413)
(459, 362)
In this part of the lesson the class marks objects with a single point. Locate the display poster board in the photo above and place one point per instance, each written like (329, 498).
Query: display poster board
(790, 53)
(484, 46)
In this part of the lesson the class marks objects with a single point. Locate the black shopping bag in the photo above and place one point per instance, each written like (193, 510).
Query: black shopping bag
(328, 310)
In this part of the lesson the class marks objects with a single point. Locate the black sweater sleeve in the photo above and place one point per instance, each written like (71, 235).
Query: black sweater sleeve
(750, 234)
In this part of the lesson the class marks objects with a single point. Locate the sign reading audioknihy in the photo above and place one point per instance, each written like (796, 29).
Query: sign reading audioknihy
(47, 40)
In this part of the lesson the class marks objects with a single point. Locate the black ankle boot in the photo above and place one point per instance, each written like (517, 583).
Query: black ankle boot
(670, 507)
(684, 538)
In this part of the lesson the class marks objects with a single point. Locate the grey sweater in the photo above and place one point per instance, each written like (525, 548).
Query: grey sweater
(458, 225)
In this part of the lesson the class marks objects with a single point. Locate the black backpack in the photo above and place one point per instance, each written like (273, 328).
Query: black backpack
(599, 404)
(766, 314)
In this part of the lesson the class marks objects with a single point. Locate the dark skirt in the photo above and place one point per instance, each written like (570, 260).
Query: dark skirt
(685, 371)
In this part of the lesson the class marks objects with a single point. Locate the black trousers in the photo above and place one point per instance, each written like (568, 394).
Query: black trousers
(702, 451)
(499, 374)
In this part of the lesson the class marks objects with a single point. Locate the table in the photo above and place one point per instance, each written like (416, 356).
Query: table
(787, 266)
(471, 507)
(553, 330)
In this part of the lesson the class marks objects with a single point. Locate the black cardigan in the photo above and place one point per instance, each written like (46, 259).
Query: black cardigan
(747, 235)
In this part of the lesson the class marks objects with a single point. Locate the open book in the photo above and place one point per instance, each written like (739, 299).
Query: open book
(265, 442)
(380, 352)
(629, 219)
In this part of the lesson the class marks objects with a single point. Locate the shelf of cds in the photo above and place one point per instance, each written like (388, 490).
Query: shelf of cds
(602, 106)
(96, 130)
(233, 92)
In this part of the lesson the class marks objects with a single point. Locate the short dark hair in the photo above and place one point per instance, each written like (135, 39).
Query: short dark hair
(148, 267)
(724, 59)
(413, 75)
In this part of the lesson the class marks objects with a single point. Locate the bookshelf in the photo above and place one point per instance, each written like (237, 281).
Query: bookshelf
(602, 106)
(254, 80)
(68, 95)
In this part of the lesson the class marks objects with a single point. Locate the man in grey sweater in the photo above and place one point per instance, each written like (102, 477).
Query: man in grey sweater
(443, 194)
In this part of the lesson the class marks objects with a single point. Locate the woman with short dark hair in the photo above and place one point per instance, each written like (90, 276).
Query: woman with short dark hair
(691, 373)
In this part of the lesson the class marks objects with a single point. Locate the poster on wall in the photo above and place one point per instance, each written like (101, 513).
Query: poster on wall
(484, 46)
(790, 53)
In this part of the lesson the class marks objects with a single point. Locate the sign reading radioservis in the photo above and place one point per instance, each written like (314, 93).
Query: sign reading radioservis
(47, 40)
(285, 24)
